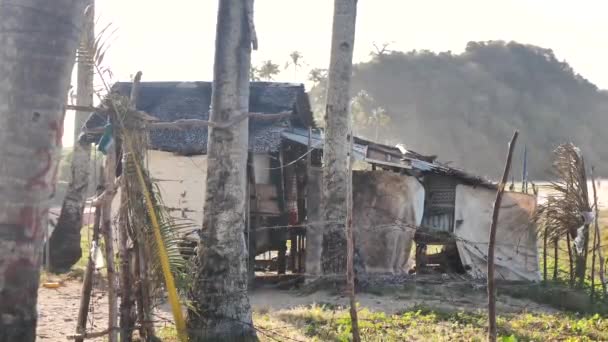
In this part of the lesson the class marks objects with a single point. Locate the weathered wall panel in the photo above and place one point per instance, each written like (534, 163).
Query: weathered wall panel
(387, 209)
(516, 246)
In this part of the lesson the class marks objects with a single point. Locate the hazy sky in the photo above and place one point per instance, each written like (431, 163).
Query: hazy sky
(174, 41)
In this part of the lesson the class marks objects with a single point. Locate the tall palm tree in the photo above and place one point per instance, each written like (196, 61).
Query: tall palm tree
(335, 152)
(40, 39)
(221, 310)
(294, 62)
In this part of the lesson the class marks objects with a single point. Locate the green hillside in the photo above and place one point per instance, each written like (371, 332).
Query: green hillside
(465, 107)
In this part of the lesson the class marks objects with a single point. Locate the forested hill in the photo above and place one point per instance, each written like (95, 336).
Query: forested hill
(465, 107)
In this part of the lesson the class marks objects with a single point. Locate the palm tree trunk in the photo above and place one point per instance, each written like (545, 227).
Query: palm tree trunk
(39, 41)
(64, 244)
(335, 151)
(221, 310)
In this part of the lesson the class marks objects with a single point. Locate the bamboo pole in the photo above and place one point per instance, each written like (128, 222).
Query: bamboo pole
(492, 242)
(127, 323)
(106, 213)
(87, 282)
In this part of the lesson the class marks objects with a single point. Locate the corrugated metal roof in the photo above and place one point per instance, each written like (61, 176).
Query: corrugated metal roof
(409, 161)
(300, 136)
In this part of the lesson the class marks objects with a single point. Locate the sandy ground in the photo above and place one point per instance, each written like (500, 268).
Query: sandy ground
(58, 312)
(58, 308)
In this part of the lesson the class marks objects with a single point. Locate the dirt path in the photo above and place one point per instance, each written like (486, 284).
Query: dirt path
(58, 312)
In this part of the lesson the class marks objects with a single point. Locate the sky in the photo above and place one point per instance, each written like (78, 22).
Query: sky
(174, 41)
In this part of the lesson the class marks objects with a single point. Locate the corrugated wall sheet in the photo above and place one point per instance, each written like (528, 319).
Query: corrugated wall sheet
(439, 203)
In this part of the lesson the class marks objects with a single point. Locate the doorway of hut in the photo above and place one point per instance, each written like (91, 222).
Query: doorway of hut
(436, 250)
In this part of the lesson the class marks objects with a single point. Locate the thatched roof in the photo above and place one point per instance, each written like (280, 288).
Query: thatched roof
(170, 101)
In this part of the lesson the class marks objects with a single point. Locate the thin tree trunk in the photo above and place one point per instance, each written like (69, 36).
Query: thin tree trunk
(492, 243)
(87, 282)
(335, 152)
(221, 309)
(64, 244)
(36, 59)
(108, 236)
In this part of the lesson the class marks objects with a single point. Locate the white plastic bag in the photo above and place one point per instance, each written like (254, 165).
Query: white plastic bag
(97, 257)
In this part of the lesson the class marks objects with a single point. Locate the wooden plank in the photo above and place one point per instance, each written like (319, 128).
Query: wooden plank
(269, 207)
(433, 237)
(266, 191)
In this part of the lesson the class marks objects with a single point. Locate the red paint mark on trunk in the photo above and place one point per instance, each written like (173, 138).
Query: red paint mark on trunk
(31, 219)
(39, 179)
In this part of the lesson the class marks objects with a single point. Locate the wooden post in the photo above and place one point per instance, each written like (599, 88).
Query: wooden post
(598, 237)
(87, 282)
(127, 323)
(144, 302)
(545, 238)
(492, 243)
(350, 246)
(106, 218)
(254, 222)
(570, 259)
(556, 258)
(581, 260)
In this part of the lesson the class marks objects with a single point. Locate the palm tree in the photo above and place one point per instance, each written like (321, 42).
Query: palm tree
(268, 70)
(35, 66)
(64, 245)
(220, 307)
(335, 152)
(295, 62)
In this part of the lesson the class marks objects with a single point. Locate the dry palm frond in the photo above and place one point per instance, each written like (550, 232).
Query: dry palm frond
(563, 212)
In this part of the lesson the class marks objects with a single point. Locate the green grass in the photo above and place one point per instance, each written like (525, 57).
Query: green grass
(326, 323)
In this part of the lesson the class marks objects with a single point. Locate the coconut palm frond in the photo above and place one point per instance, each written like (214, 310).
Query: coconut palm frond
(171, 228)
